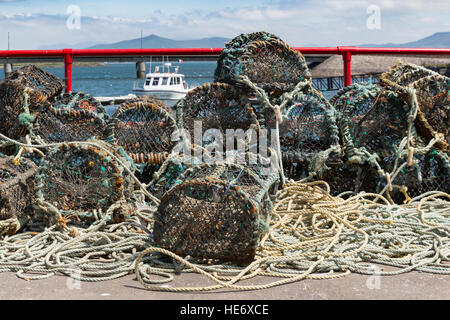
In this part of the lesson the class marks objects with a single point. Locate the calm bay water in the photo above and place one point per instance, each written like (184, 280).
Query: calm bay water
(117, 79)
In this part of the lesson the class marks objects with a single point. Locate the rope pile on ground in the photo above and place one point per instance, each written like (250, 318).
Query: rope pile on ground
(314, 235)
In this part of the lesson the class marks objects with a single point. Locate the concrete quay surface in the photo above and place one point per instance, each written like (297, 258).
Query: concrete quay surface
(408, 286)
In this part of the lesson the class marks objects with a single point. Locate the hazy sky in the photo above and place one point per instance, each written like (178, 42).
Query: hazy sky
(37, 23)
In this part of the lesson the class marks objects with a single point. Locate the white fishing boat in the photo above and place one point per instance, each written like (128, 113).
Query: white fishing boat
(166, 86)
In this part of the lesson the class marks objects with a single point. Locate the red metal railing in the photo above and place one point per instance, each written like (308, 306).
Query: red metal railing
(346, 52)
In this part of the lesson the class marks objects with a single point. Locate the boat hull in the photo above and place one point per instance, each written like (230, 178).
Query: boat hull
(161, 94)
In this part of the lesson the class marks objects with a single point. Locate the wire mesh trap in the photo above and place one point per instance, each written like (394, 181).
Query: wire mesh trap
(66, 124)
(79, 101)
(21, 95)
(353, 102)
(372, 123)
(17, 190)
(404, 74)
(79, 179)
(378, 124)
(374, 126)
(429, 172)
(308, 135)
(38, 80)
(433, 116)
(144, 128)
(217, 212)
(216, 106)
(263, 59)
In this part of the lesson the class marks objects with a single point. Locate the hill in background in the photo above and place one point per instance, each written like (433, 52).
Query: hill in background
(154, 41)
(436, 40)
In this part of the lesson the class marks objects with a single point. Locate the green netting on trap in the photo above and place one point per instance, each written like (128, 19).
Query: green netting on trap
(212, 215)
(79, 101)
(343, 176)
(434, 109)
(265, 60)
(66, 124)
(216, 106)
(357, 93)
(167, 176)
(77, 179)
(372, 123)
(144, 128)
(17, 190)
(252, 178)
(351, 102)
(378, 123)
(308, 134)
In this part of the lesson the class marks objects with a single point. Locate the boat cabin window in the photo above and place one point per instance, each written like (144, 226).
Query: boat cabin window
(164, 81)
(155, 81)
(147, 82)
(178, 80)
(171, 81)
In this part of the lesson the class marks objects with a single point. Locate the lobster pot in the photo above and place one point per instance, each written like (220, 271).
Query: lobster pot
(66, 125)
(217, 212)
(430, 172)
(17, 190)
(145, 130)
(404, 74)
(353, 103)
(377, 123)
(374, 120)
(148, 100)
(308, 132)
(80, 179)
(38, 79)
(265, 60)
(214, 108)
(359, 95)
(173, 167)
(433, 116)
(79, 101)
(21, 95)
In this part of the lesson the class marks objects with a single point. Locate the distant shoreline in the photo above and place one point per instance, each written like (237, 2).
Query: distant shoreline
(58, 64)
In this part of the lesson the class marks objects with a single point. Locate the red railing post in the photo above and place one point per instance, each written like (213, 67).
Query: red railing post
(347, 57)
(68, 59)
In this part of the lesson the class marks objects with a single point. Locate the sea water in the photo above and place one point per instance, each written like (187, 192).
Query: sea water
(117, 79)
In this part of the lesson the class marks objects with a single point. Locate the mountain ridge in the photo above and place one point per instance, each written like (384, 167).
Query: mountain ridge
(436, 40)
(155, 41)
